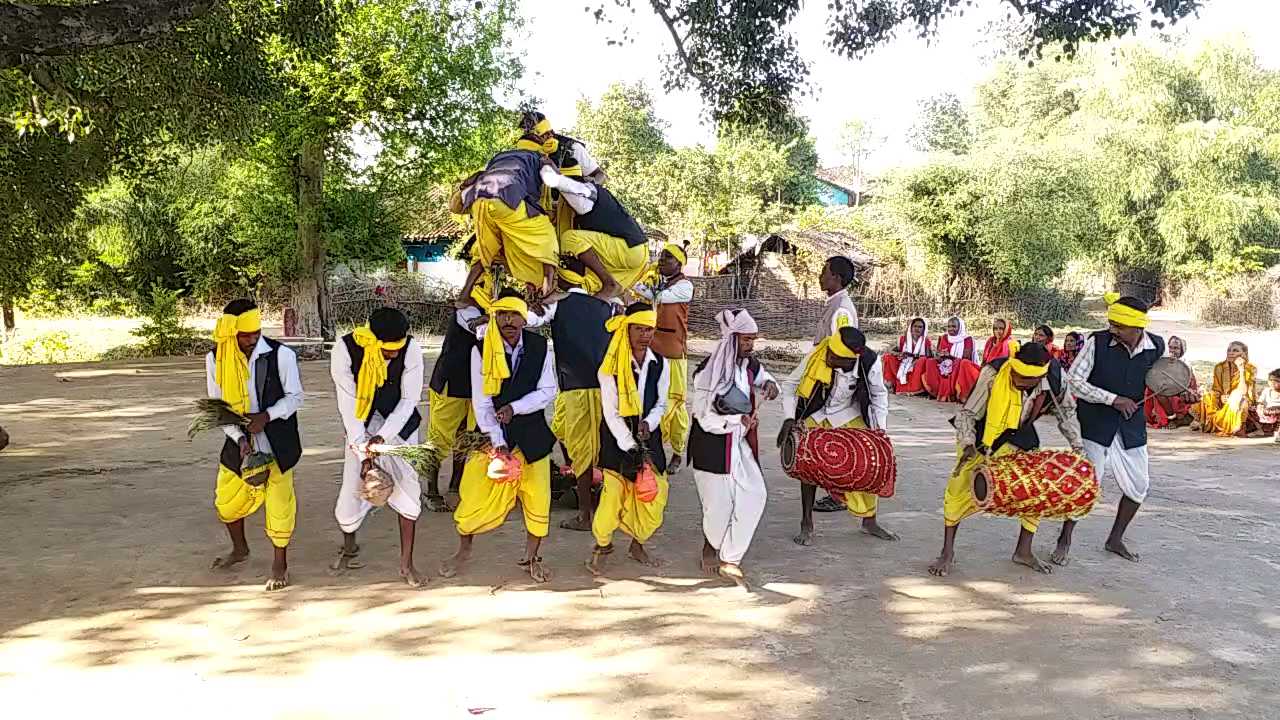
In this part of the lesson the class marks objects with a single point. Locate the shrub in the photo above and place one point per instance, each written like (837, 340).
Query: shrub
(1247, 300)
(163, 332)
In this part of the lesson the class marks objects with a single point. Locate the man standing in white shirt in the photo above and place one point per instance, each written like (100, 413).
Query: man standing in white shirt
(377, 376)
(258, 377)
(839, 385)
(837, 275)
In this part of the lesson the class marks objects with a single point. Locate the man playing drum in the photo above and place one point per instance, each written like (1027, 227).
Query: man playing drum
(1109, 381)
(839, 385)
(998, 419)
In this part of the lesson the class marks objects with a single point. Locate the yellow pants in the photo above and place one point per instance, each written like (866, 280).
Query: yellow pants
(957, 500)
(484, 504)
(625, 264)
(576, 422)
(528, 244)
(234, 499)
(859, 504)
(445, 416)
(675, 422)
(619, 509)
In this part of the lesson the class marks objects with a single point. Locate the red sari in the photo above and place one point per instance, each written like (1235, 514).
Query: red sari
(951, 379)
(915, 376)
(1159, 416)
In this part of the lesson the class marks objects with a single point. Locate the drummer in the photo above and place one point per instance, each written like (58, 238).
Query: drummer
(999, 419)
(839, 385)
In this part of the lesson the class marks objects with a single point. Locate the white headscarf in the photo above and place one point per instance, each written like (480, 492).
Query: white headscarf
(957, 341)
(915, 348)
(723, 364)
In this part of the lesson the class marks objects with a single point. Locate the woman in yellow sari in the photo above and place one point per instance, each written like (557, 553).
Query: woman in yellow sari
(1225, 410)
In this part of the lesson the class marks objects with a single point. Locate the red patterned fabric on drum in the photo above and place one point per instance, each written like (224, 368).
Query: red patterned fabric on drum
(843, 460)
(1045, 484)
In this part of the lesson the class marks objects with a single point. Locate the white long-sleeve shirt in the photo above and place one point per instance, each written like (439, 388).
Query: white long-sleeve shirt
(704, 398)
(290, 379)
(681, 291)
(344, 384)
(534, 402)
(1082, 367)
(580, 196)
(841, 407)
(609, 398)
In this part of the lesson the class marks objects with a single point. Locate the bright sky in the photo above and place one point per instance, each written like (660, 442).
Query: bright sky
(883, 89)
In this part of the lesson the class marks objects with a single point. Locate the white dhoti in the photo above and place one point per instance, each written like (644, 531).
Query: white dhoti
(406, 498)
(1129, 466)
(732, 504)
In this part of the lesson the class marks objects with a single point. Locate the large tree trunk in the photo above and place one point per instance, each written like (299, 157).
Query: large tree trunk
(31, 30)
(8, 316)
(311, 292)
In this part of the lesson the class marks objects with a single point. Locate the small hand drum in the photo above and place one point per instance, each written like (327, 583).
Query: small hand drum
(1169, 377)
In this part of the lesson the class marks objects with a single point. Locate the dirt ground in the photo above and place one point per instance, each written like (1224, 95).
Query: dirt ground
(107, 602)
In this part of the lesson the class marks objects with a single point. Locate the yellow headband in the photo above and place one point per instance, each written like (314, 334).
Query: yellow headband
(373, 368)
(588, 282)
(493, 353)
(571, 171)
(617, 359)
(1123, 314)
(542, 128)
(676, 252)
(1027, 369)
(230, 366)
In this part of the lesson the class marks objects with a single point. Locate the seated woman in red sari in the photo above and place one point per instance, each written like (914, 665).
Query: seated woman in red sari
(949, 376)
(904, 367)
(1043, 334)
(999, 344)
(1071, 344)
(1163, 412)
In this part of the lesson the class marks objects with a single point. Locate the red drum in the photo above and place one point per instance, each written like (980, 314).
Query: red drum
(1045, 484)
(841, 460)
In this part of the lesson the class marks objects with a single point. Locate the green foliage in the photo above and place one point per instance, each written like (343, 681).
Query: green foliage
(943, 125)
(45, 348)
(163, 332)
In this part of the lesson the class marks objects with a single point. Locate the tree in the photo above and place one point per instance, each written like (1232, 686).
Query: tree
(624, 133)
(942, 126)
(858, 140)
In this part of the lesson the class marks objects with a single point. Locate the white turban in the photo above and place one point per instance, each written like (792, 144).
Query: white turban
(724, 359)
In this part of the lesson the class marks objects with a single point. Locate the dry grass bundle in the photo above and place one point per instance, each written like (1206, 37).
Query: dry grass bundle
(425, 458)
(212, 413)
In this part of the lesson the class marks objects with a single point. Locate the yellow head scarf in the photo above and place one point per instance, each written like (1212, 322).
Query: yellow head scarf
(677, 252)
(230, 366)
(617, 359)
(494, 355)
(588, 282)
(1004, 405)
(1123, 314)
(816, 370)
(373, 368)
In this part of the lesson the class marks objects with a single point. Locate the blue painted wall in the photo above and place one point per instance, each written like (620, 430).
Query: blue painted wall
(832, 196)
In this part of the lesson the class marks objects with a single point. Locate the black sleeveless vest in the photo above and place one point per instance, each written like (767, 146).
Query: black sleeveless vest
(1115, 371)
(512, 177)
(286, 444)
(387, 397)
(628, 464)
(609, 217)
(713, 453)
(861, 392)
(1025, 437)
(527, 433)
(580, 340)
(451, 375)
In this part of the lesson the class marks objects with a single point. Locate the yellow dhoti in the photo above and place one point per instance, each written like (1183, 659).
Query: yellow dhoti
(625, 264)
(445, 417)
(957, 500)
(576, 423)
(484, 504)
(675, 422)
(527, 243)
(234, 499)
(859, 504)
(619, 509)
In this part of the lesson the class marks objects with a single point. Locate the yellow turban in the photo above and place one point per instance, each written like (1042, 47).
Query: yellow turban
(373, 368)
(230, 366)
(1123, 314)
(493, 354)
(677, 252)
(1004, 405)
(588, 282)
(542, 128)
(617, 359)
(816, 370)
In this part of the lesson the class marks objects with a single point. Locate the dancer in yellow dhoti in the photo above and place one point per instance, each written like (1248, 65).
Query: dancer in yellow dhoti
(839, 385)
(671, 298)
(243, 360)
(633, 387)
(595, 228)
(512, 383)
(999, 418)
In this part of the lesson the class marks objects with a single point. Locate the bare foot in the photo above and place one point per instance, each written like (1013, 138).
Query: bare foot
(639, 554)
(596, 564)
(577, 524)
(412, 577)
(804, 538)
(710, 561)
(231, 559)
(1033, 562)
(872, 528)
(436, 503)
(450, 567)
(733, 573)
(942, 566)
(278, 581)
(1059, 554)
(674, 466)
(537, 572)
(1117, 547)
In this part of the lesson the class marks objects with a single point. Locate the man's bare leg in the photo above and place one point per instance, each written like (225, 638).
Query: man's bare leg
(1059, 555)
(710, 558)
(455, 481)
(873, 528)
(639, 554)
(1115, 541)
(279, 570)
(473, 275)
(582, 523)
(947, 558)
(611, 287)
(239, 547)
(347, 554)
(1023, 555)
(807, 494)
(596, 564)
(532, 560)
(674, 465)
(452, 565)
(408, 533)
